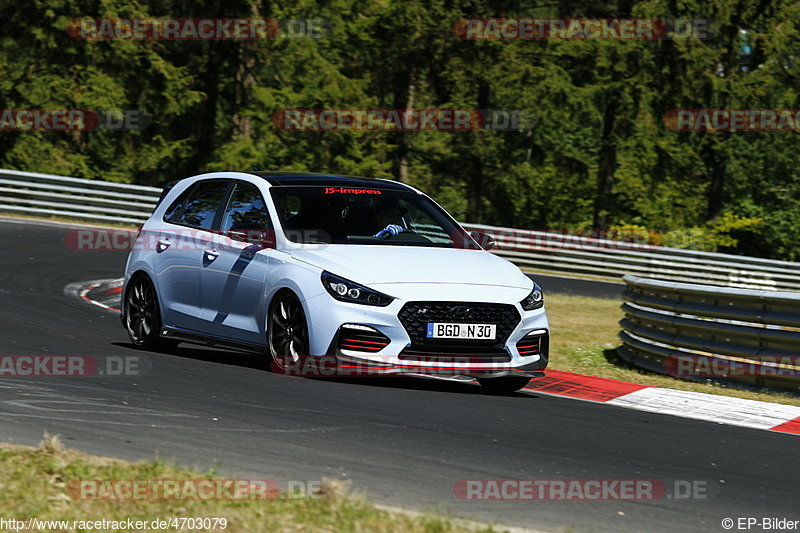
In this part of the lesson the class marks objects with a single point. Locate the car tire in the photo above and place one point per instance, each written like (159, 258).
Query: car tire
(503, 385)
(143, 316)
(287, 332)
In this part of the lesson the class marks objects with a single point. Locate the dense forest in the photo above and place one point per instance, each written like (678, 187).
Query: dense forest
(601, 151)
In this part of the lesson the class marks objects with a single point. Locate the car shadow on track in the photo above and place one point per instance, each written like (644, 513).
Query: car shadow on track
(210, 355)
(424, 384)
(260, 362)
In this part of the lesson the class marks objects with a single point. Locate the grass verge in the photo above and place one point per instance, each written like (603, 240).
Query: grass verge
(37, 482)
(584, 328)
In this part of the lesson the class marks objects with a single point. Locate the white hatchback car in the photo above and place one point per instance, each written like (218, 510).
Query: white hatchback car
(369, 273)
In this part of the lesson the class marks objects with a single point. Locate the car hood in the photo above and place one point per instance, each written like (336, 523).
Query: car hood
(373, 265)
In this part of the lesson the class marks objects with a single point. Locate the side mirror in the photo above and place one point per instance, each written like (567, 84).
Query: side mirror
(262, 238)
(485, 240)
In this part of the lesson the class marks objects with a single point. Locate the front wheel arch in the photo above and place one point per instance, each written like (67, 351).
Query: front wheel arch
(278, 360)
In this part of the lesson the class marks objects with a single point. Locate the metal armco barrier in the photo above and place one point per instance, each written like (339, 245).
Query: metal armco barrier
(92, 200)
(102, 201)
(557, 252)
(703, 332)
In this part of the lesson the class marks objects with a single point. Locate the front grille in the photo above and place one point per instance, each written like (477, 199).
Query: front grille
(415, 317)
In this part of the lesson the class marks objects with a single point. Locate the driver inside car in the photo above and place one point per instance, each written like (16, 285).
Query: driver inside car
(390, 218)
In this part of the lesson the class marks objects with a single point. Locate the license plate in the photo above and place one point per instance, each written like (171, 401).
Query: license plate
(441, 330)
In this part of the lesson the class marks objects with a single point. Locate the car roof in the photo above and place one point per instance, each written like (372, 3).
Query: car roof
(333, 180)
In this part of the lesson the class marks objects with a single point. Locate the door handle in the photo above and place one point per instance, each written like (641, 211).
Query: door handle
(238, 235)
(211, 255)
(162, 245)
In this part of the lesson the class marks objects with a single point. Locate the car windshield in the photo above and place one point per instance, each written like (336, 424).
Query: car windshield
(357, 215)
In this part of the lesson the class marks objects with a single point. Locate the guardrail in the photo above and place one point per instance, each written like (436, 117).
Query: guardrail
(557, 252)
(704, 332)
(30, 192)
(94, 200)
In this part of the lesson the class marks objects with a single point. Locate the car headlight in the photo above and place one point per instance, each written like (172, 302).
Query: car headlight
(534, 300)
(348, 291)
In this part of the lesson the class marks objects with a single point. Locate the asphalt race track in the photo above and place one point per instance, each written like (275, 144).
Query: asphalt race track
(578, 287)
(403, 442)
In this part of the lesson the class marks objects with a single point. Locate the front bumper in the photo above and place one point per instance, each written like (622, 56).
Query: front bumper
(326, 315)
(348, 365)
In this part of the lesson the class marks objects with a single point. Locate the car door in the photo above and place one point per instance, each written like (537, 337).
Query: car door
(235, 272)
(188, 224)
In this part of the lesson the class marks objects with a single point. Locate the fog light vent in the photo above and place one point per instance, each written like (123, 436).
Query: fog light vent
(357, 337)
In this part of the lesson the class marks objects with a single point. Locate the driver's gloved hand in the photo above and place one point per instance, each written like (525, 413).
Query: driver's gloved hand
(388, 231)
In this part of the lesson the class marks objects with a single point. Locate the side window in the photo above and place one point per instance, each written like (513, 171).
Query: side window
(174, 211)
(246, 210)
(202, 204)
(165, 191)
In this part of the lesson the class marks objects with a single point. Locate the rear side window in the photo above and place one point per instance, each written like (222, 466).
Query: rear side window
(174, 211)
(165, 191)
(246, 210)
(198, 207)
